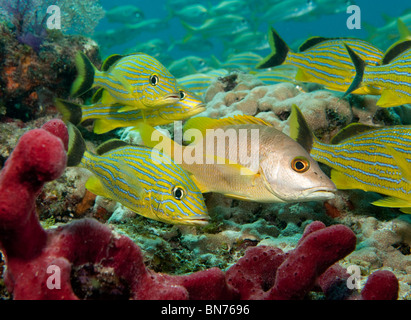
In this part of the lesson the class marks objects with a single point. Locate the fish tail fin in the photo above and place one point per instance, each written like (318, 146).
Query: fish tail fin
(359, 65)
(77, 146)
(85, 75)
(299, 129)
(279, 51)
(190, 30)
(71, 111)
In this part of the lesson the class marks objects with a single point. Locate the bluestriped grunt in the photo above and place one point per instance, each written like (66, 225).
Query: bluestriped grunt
(136, 81)
(274, 168)
(132, 176)
(364, 157)
(323, 60)
(393, 76)
(108, 117)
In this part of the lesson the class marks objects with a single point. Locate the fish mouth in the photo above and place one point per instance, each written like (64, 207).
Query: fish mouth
(172, 96)
(320, 193)
(197, 221)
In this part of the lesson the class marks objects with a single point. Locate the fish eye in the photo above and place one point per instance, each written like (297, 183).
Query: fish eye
(300, 164)
(182, 95)
(178, 193)
(153, 80)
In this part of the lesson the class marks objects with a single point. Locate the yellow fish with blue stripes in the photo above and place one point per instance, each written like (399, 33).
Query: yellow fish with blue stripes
(323, 60)
(393, 75)
(108, 117)
(132, 175)
(136, 81)
(363, 157)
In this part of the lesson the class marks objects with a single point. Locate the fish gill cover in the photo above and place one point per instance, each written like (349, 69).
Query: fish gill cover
(149, 93)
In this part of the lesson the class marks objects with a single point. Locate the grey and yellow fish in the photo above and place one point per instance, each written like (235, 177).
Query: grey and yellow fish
(133, 176)
(136, 81)
(393, 76)
(363, 157)
(323, 60)
(108, 117)
(279, 169)
(126, 14)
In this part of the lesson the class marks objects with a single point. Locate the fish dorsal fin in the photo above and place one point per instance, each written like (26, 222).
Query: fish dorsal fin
(204, 123)
(405, 33)
(98, 95)
(395, 50)
(350, 131)
(400, 161)
(313, 41)
(110, 145)
(299, 129)
(110, 61)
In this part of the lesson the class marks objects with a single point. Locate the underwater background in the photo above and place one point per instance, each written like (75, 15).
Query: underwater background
(219, 66)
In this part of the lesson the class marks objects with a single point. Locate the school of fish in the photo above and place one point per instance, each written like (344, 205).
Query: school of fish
(164, 180)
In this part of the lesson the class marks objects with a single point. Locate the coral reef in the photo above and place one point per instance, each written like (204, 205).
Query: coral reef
(30, 79)
(86, 259)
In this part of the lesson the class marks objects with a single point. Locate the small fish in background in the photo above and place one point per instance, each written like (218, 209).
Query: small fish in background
(245, 61)
(132, 176)
(200, 82)
(220, 26)
(108, 117)
(136, 81)
(323, 60)
(157, 48)
(126, 14)
(149, 25)
(195, 13)
(287, 10)
(393, 75)
(188, 65)
(114, 37)
(243, 41)
(285, 172)
(193, 44)
(283, 73)
(372, 159)
(396, 29)
(230, 6)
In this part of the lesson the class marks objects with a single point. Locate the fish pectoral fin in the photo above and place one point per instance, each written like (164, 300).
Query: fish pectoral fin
(392, 202)
(302, 76)
(400, 161)
(106, 98)
(95, 186)
(103, 125)
(123, 81)
(343, 182)
(390, 98)
(131, 180)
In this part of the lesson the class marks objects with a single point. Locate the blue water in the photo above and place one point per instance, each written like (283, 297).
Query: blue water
(292, 31)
